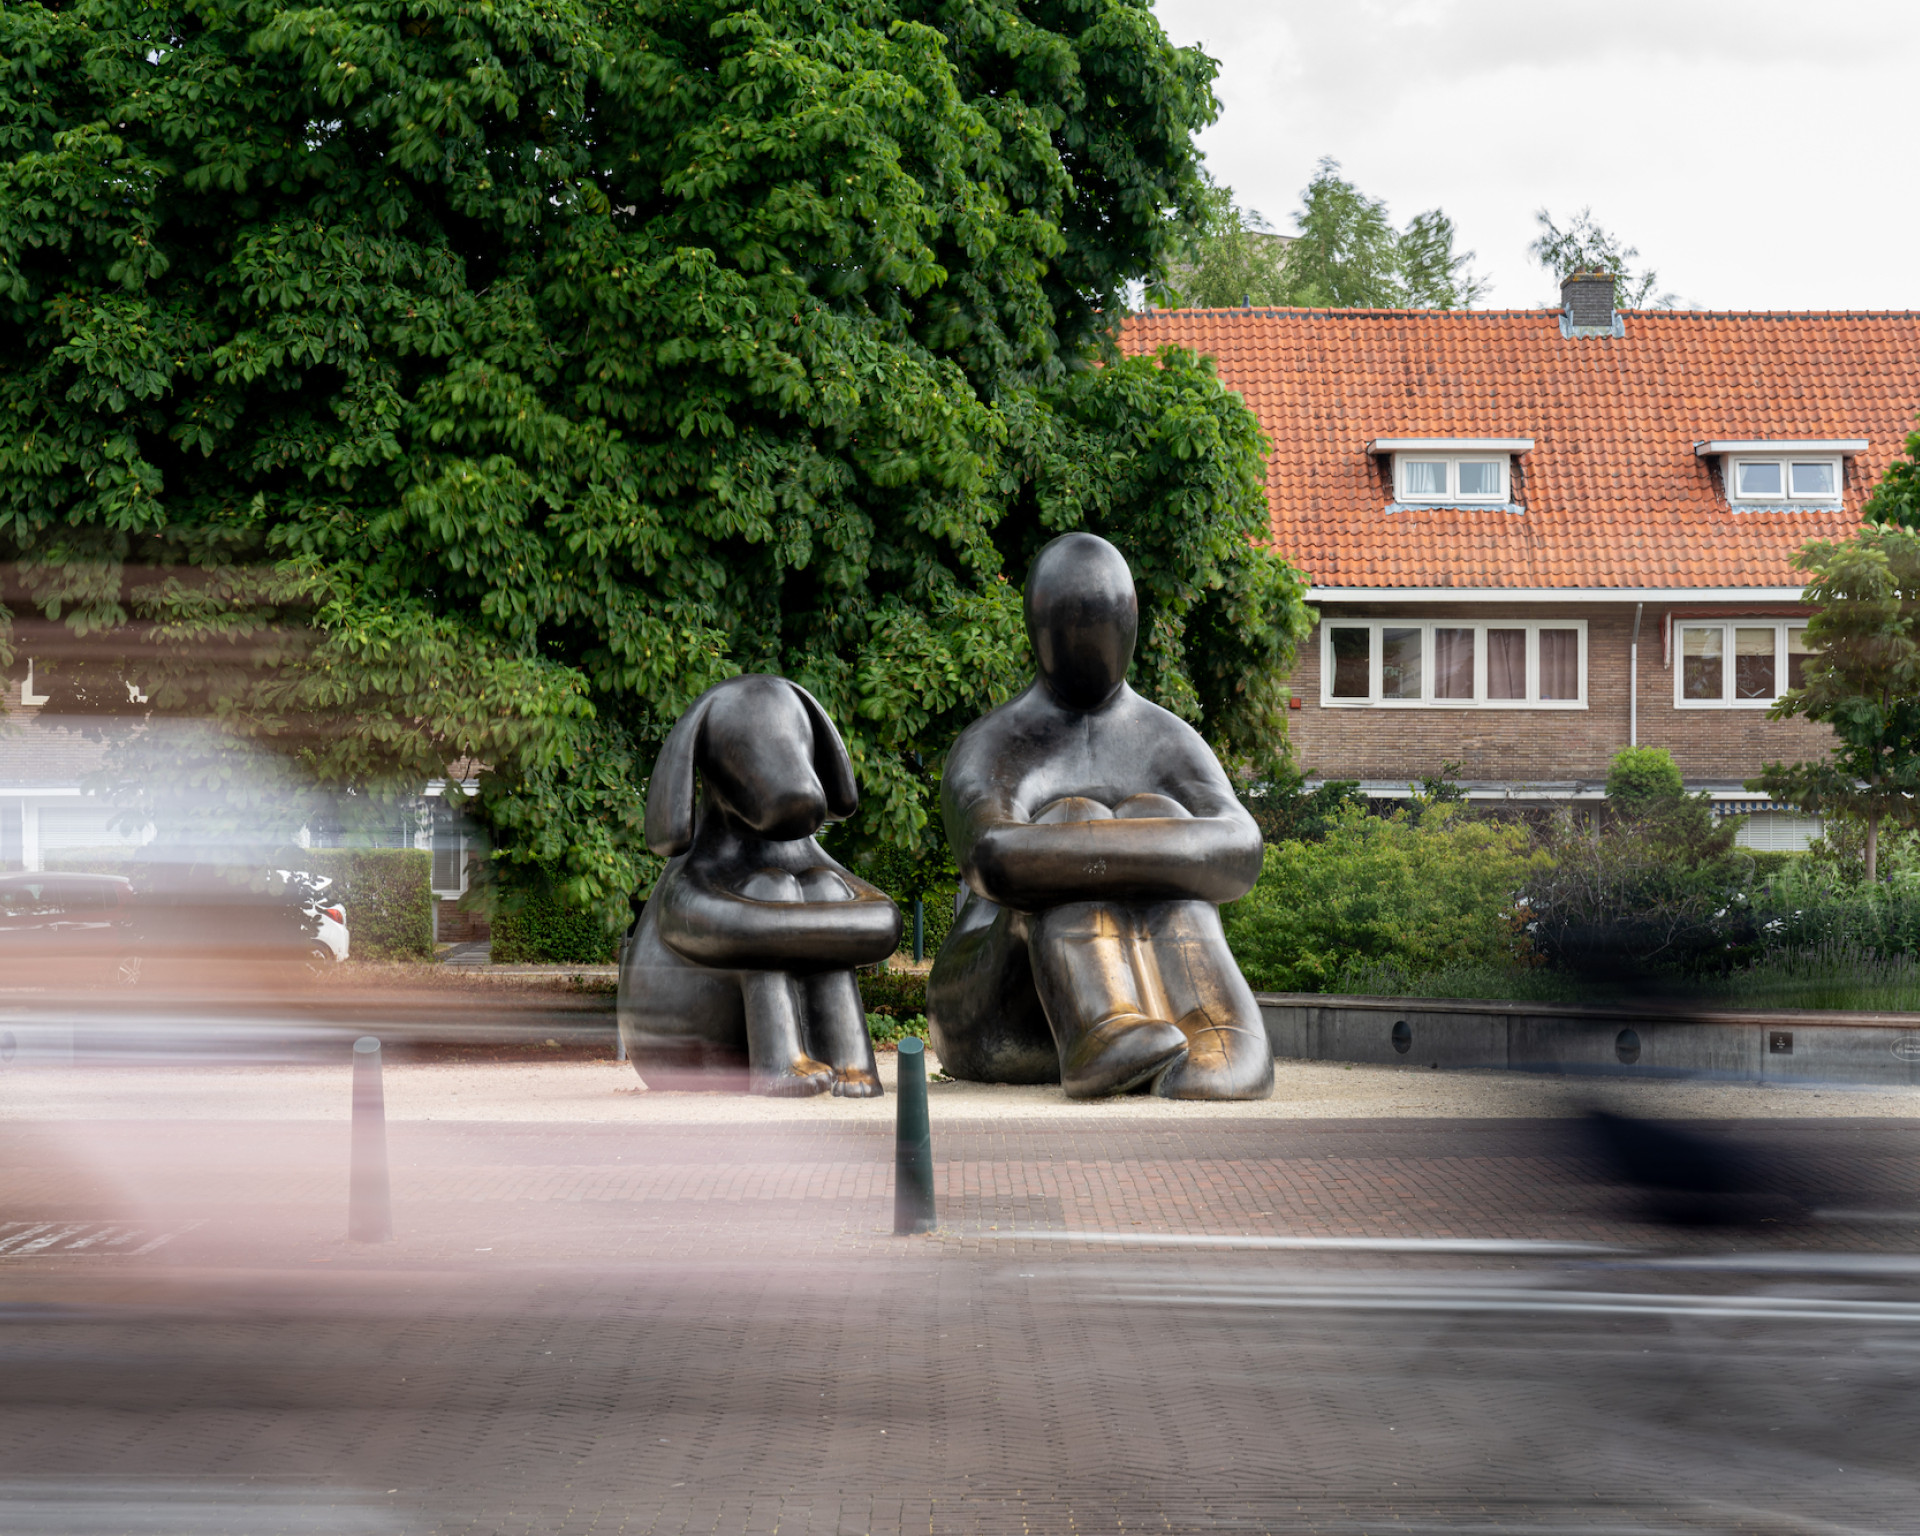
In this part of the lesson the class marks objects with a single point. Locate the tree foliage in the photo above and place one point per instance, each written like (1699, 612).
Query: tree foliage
(420, 383)
(1585, 246)
(1346, 254)
(1862, 680)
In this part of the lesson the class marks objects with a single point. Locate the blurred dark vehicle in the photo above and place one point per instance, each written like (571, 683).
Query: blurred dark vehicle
(182, 927)
(67, 930)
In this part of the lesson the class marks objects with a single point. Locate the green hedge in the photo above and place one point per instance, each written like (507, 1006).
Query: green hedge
(538, 928)
(901, 994)
(1418, 892)
(387, 897)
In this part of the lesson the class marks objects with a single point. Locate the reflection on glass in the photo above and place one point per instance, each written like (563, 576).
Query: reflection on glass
(1559, 663)
(1813, 479)
(1453, 663)
(1797, 653)
(1400, 663)
(1352, 663)
(1761, 479)
(1423, 477)
(1753, 663)
(1479, 477)
(1701, 653)
(1506, 663)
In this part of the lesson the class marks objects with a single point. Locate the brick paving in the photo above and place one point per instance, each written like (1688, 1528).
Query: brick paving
(653, 1329)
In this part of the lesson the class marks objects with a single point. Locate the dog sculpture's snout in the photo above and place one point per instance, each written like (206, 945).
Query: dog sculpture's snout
(793, 812)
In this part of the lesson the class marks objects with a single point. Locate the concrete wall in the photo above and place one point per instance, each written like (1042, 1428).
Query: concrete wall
(1754, 1047)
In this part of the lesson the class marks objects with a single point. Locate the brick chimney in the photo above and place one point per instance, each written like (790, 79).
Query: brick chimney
(1586, 305)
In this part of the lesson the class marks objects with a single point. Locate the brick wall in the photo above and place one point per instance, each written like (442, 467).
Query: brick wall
(1533, 745)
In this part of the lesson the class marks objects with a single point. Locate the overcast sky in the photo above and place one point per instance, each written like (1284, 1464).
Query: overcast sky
(1761, 154)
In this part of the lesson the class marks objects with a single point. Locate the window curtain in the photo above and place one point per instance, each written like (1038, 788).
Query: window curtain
(1506, 663)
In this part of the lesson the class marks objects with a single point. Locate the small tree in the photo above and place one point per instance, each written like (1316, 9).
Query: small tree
(1233, 257)
(1863, 680)
(1642, 778)
(1584, 246)
(1346, 255)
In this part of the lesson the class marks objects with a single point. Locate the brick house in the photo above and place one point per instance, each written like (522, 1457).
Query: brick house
(1537, 536)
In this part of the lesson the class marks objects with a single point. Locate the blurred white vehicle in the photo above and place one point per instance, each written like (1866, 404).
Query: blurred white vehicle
(333, 929)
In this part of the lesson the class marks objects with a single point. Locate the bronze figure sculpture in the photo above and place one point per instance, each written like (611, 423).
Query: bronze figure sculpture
(740, 969)
(1096, 834)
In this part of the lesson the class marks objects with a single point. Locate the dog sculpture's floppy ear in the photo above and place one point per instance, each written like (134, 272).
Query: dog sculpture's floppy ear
(670, 790)
(830, 761)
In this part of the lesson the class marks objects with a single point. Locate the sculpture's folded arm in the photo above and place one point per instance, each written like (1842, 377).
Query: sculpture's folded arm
(1030, 867)
(711, 926)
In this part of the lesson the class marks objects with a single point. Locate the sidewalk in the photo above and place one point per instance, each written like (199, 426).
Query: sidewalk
(610, 1092)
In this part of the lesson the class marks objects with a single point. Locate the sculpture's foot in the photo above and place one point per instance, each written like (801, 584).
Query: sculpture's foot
(1117, 1054)
(1223, 1061)
(801, 1079)
(856, 1083)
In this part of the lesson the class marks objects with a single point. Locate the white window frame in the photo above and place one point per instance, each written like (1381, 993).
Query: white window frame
(1375, 660)
(1780, 627)
(1452, 496)
(1786, 496)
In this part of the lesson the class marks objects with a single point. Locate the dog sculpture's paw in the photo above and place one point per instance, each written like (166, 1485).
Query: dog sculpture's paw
(856, 1083)
(804, 1078)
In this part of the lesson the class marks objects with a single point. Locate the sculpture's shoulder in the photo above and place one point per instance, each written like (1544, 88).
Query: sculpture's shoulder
(1156, 736)
(1024, 717)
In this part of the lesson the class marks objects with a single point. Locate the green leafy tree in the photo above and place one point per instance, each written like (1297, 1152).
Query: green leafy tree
(1346, 255)
(412, 384)
(1862, 680)
(1585, 246)
(1233, 257)
(1895, 502)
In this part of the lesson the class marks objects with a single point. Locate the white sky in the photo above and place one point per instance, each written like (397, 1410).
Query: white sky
(1762, 154)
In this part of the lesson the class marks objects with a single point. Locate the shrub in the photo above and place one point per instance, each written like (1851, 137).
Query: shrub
(1287, 811)
(537, 926)
(1642, 778)
(1422, 894)
(890, 1029)
(898, 994)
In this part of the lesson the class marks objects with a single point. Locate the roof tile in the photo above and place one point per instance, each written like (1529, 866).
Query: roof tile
(1614, 495)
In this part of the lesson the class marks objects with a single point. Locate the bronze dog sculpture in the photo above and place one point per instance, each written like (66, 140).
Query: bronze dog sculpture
(1096, 834)
(740, 970)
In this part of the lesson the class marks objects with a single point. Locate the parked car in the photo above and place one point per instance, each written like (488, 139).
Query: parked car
(67, 930)
(71, 930)
(330, 916)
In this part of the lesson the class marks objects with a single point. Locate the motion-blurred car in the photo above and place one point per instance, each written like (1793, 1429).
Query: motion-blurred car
(67, 930)
(72, 931)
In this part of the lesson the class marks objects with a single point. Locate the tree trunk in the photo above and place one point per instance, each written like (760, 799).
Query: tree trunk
(1873, 846)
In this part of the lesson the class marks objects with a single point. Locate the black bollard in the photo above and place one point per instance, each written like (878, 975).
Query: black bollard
(913, 1145)
(369, 1198)
(919, 930)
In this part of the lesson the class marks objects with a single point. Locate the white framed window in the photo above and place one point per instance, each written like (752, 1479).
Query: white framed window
(1453, 663)
(1738, 663)
(1452, 479)
(1784, 480)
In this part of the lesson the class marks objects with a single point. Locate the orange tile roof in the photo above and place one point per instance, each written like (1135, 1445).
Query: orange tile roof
(1613, 492)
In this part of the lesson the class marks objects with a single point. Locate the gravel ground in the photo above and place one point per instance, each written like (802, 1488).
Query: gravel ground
(609, 1092)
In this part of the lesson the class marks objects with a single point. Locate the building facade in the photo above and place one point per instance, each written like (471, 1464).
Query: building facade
(1534, 537)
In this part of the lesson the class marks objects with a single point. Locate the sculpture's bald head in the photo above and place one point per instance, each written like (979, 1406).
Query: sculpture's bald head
(1082, 617)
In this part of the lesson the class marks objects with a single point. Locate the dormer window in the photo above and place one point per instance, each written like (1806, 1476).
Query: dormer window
(1452, 472)
(1783, 476)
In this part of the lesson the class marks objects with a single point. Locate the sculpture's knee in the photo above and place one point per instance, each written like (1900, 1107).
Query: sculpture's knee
(771, 885)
